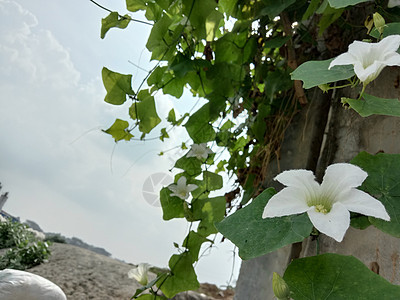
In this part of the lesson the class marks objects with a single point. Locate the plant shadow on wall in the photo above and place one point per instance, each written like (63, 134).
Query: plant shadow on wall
(252, 61)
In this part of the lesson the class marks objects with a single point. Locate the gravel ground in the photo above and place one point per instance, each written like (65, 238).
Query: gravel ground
(83, 274)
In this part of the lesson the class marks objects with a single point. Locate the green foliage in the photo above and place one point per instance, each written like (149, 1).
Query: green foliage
(273, 8)
(336, 276)
(372, 105)
(13, 234)
(135, 5)
(382, 183)
(144, 111)
(255, 236)
(314, 73)
(388, 29)
(117, 86)
(25, 255)
(182, 277)
(191, 165)
(119, 130)
(25, 250)
(344, 3)
(113, 20)
(172, 206)
(209, 211)
(193, 242)
(55, 238)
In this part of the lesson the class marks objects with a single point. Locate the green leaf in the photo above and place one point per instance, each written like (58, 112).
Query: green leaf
(213, 181)
(135, 5)
(344, 3)
(171, 116)
(193, 243)
(336, 276)
(164, 134)
(203, 16)
(277, 81)
(329, 16)
(113, 20)
(273, 8)
(259, 125)
(191, 165)
(117, 86)
(360, 222)
(147, 286)
(119, 130)
(372, 105)
(157, 43)
(172, 206)
(209, 211)
(212, 24)
(221, 166)
(227, 125)
(388, 29)
(153, 11)
(314, 73)
(255, 236)
(312, 7)
(383, 183)
(144, 110)
(198, 126)
(182, 278)
(276, 42)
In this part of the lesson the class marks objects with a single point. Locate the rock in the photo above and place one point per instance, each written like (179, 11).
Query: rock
(83, 274)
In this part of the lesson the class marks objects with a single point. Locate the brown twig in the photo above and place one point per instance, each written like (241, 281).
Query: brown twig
(292, 62)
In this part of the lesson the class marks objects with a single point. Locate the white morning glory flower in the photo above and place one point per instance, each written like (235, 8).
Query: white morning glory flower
(369, 59)
(140, 273)
(200, 151)
(327, 204)
(393, 3)
(181, 189)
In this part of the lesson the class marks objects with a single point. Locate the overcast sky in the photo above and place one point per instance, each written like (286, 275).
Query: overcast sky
(61, 171)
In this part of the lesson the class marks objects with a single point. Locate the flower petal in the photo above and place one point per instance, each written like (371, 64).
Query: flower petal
(362, 73)
(339, 178)
(302, 179)
(334, 224)
(360, 49)
(360, 202)
(181, 181)
(389, 44)
(343, 59)
(173, 188)
(370, 73)
(392, 59)
(191, 187)
(393, 3)
(288, 201)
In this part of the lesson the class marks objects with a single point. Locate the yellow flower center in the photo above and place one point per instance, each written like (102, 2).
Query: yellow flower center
(322, 204)
(320, 208)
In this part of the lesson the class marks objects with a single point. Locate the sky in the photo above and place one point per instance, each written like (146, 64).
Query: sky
(59, 168)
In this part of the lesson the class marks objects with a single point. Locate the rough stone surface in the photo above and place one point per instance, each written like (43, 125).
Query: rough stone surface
(84, 274)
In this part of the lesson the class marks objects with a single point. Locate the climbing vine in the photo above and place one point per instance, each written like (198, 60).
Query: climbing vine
(253, 62)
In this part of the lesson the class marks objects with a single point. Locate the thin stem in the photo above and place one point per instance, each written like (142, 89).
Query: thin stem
(340, 86)
(123, 17)
(362, 91)
(318, 245)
